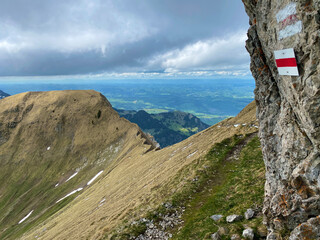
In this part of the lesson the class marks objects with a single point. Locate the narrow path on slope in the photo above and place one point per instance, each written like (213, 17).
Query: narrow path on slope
(219, 174)
(235, 183)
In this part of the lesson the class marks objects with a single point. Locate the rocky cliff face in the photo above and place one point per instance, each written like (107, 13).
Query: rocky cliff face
(288, 112)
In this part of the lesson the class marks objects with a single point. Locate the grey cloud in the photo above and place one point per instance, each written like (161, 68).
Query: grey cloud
(60, 37)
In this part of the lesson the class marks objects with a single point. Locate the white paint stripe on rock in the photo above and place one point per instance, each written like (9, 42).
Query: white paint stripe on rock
(289, 71)
(290, 30)
(286, 11)
(284, 53)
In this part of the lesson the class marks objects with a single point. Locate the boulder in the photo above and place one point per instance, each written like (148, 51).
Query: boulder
(234, 218)
(215, 236)
(223, 231)
(249, 214)
(216, 217)
(248, 234)
(235, 237)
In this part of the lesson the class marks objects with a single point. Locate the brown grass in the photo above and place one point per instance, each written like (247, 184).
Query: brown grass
(132, 187)
(80, 127)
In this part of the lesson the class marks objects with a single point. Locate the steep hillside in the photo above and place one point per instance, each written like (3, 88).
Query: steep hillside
(53, 144)
(288, 111)
(167, 128)
(3, 94)
(138, 183)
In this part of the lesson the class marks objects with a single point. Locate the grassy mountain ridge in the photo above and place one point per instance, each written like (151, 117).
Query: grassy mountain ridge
(137, 184)
(167, 128)
(48, 137)
(45, 138)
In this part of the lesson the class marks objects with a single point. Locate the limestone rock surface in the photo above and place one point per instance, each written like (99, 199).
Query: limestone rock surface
(248, 233)
(288, 108)
(233, 218)
(249, 213)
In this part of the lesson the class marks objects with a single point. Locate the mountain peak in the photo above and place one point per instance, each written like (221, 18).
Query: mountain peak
(52, 144)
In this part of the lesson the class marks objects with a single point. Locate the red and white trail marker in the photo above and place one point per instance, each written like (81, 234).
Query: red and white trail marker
(286, 62)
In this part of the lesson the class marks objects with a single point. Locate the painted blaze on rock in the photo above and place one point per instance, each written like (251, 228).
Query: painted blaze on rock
(288, 112)
(288, 21)
(286, 62)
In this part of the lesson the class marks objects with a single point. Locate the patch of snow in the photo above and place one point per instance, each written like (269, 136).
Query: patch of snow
(174, 152)
(102, 202)
(116, 149)
(187, 146)
(219, 126)
(48, 148)
(255, 126)
(25, 218)
(94, 178)
(72, 176)
(244, 124)
(190, 155)
(236, 125)
(69, 194)
(56, 185)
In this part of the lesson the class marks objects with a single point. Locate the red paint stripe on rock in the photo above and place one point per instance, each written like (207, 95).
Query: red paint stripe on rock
(286, 62)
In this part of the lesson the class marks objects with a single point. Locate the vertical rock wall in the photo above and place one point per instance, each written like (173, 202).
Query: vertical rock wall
(288, 108)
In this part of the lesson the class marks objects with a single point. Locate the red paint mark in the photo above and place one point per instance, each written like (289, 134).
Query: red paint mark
(288, 21)
(286, 62)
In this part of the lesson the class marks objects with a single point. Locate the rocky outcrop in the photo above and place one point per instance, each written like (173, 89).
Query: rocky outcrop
(288, 110)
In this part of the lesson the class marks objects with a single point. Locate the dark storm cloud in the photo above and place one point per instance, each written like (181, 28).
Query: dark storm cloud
(57, 37)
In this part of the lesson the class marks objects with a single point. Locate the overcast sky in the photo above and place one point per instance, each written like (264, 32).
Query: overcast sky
(121, 38)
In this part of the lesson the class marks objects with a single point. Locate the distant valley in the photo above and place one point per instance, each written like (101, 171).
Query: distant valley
(211, 100)
(167, 128)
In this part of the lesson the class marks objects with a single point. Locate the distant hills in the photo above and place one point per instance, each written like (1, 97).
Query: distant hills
(3, 94)
(167, 128)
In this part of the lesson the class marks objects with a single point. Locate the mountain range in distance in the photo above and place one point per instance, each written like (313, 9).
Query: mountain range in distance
(167, 128)
(3, 94)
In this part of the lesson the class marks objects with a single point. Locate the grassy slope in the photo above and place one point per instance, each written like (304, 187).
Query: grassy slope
(67, 122)
(227, 187)
(227, 183)
(138, 182)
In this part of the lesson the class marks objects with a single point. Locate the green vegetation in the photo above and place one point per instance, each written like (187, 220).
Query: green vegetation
(228, 180)
(227, 187)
